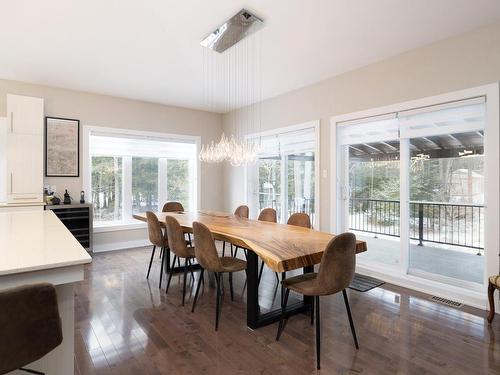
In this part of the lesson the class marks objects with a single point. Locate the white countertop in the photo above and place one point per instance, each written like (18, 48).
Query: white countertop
(34, 241)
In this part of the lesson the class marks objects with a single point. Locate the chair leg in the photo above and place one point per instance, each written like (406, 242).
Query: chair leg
(218, 302)
(161, 269)
(282, 322)
(318, 334)
(170, 274)
(231, 285)
(185, 280)
(31, 371)
(232, 255)
(353, 331)
(277, 277)
(312, 311)
(236, 252)
(491, 292)
(260, 272)
(151, 261)
(223, 248)
(161, 252)
(197, 289)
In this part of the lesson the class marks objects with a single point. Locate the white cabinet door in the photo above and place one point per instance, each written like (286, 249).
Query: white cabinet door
(24, 168)
(24, 114)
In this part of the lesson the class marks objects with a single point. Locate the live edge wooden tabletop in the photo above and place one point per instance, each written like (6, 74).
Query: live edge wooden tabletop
(282, 247)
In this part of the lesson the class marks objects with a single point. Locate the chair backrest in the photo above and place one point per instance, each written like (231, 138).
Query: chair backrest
(172, 207)
(300, 219)
(204, 248)
(154, 230)
(338, 263)
(175, 235)
(268, 214)
(30, 325)
(242, 211)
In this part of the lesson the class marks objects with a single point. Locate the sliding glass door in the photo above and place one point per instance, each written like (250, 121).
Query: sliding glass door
(413, 188)
(284, 176)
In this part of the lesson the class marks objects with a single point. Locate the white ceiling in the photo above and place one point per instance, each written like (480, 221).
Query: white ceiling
(150, 49)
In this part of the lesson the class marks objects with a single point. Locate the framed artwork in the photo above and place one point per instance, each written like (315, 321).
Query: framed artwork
(62, 147)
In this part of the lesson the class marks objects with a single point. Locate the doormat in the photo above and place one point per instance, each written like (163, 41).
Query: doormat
(363, 283)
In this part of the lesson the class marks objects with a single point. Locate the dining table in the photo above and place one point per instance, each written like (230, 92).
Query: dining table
(281, 247)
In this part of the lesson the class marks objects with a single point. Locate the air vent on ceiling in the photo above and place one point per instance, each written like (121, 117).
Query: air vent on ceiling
(445, 301)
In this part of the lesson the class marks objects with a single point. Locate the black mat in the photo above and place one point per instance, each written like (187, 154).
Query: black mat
(363, 283)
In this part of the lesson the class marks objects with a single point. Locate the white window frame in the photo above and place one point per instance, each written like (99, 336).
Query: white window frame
(426, 283)
(287, 129)
(88, 129)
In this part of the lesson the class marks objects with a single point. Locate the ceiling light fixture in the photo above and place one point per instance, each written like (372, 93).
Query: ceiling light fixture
(234, 75)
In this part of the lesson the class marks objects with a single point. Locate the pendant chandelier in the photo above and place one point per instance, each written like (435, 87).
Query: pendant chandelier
(232, 75)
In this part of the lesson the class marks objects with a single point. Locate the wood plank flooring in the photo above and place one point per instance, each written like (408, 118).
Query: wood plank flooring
(126, 325)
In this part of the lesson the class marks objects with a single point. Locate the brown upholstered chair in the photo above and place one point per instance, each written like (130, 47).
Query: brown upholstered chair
(178, 246)
(157, 238)
(299, 219)
(268, 214)
(207, 257)
(172, 207)
(335, 273)
(493, 283)
(175, 207)
(243, 212)
(30, 325)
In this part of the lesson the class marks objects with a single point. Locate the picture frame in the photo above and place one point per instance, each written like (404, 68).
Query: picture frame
(62, 147)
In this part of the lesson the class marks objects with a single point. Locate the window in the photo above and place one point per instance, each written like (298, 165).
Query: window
(284, 175)
(138, 172)
(413, 188)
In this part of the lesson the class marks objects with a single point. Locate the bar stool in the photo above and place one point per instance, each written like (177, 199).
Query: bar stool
(241, 211)
(157, 238)
(30, 326)
(177, 245)
(336, 272)
(207, 257)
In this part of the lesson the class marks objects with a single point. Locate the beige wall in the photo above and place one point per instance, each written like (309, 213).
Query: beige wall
(101, 110)
(457, 63)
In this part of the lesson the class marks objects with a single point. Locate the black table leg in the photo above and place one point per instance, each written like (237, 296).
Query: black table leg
(254, 317)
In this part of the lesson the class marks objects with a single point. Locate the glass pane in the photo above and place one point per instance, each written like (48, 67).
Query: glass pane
(178, 183)
(374, 199)
(144, 184)
(106, 182)
(300, 177)
(270, 183)
(447, 205)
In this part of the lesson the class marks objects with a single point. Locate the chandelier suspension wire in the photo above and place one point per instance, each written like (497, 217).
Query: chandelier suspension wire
(235, 78)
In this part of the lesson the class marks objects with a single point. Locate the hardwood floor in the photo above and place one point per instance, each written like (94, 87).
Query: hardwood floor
(126, 325)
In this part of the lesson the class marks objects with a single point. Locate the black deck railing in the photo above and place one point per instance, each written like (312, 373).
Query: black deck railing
(443, 223)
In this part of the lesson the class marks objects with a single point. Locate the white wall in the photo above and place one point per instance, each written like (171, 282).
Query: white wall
(460, 62)
(102, 110)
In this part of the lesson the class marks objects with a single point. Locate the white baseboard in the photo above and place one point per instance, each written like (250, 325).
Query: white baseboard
(99, 248)
(468, 297)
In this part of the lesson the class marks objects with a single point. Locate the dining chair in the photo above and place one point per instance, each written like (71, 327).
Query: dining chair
(175, 207)
(178, 246)
(493, 283)
(335, 273)
(243, 212)
(299, 219)
(30, 326)
(207, 257)
(157, 238)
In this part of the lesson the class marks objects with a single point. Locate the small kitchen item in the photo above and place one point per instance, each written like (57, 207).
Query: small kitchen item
(56, 200)
(82, 197)
(67, 198)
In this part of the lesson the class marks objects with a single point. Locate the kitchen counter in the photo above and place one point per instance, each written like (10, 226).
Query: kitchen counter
(36, 247)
